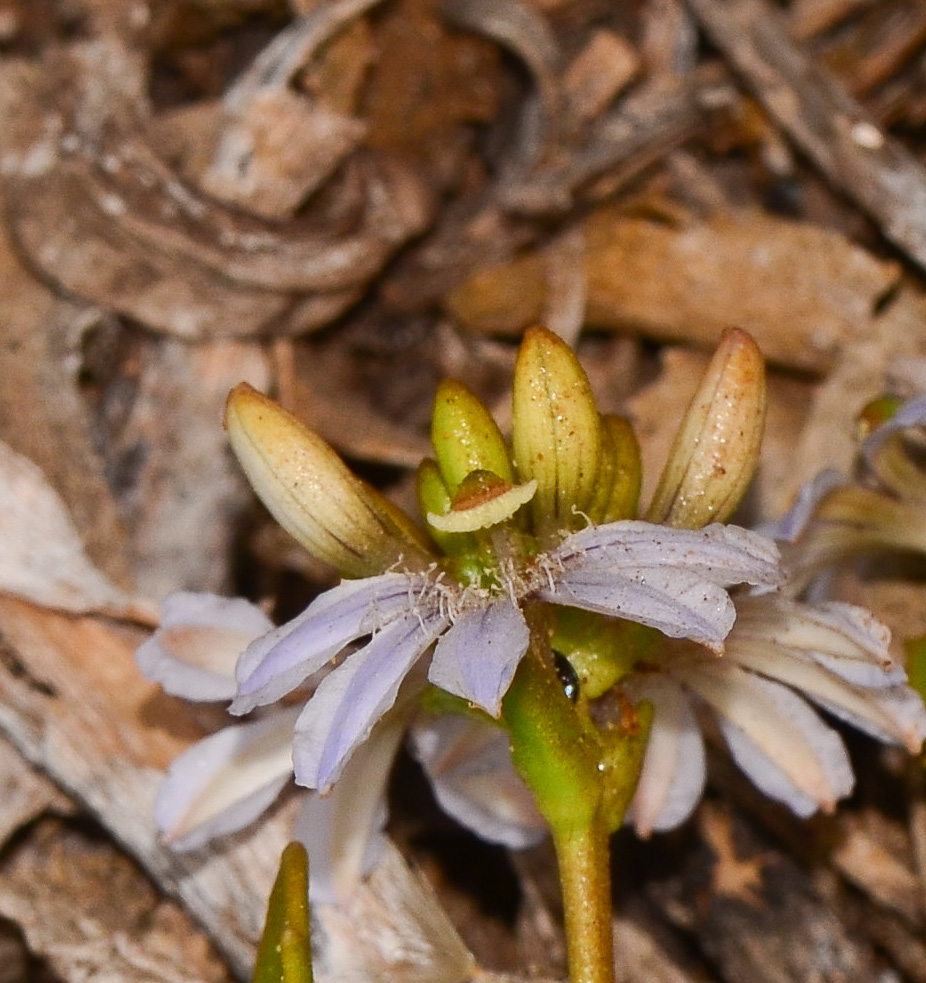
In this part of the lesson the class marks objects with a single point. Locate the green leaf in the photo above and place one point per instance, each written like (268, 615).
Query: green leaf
(285, 951)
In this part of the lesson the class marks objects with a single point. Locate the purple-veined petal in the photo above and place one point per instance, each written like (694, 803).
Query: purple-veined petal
(476, 657)
(193, 652)
(343, 831)
(720, 554)
(848, 640)
(673, 775)
(677, 602)
(774, 736)
(278, 662)
(855, 704)
(224, 782)
(469, 765)
(348, 702)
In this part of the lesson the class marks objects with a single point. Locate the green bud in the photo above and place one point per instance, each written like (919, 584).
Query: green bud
(285, 951)
(465, 437)
(717, 446)
(482, 500)
(555, 430)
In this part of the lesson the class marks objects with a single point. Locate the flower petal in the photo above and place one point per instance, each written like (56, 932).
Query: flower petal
(787, 528)
(343, 831)
(477, 656)
(278, 662)
(474, 781)
(224, 782)
(848, 640)
(720, 554)
(673, 775)
(775, 737)
(679, 603)
(348, 702)
(867, 709)
(193, 652)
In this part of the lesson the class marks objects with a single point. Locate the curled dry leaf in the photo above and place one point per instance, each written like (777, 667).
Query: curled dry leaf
(41, 556)
(277, 146)
(96, 210)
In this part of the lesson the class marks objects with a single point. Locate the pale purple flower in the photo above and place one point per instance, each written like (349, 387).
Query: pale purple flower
(670, 579)
(781, 656)
(835, 518)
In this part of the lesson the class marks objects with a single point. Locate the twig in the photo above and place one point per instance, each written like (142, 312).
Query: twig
(833, 130)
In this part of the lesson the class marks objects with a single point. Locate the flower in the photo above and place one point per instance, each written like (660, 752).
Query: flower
(669, 579)
(835, 518)
(546, 522)
(225, 781)
(779, 655)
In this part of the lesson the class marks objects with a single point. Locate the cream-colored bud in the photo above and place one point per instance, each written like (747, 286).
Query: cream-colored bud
(717, 446)
(312, 494)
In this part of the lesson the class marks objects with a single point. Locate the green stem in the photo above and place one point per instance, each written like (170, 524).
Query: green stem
(585, 876)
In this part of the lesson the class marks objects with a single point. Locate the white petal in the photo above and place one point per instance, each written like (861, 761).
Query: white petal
(673, 774)
(911, 414)
(848, 640)
(278, 662)
(343, 831)
(681, 604)
(349, 701)
(194, 651)
(895, 715)
(864, 708)
(224, 782)
(476, 657)
(469, 765)
(774, 736)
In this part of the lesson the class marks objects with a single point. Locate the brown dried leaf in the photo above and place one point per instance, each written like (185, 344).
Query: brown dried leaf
(802, 292)
(96, 209)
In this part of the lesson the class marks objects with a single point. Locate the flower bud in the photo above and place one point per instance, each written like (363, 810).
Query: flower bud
(617, 486)
(465, 437)
(717, 446)
(310, 491)
(556, 435)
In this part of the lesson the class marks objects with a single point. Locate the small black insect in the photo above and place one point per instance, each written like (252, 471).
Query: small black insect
(567, 676)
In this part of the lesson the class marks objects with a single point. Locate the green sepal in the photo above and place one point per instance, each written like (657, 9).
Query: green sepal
(556, 431)
(465, 437)
(285, 951)
(624, 746)
(602, 650)
(554, 747)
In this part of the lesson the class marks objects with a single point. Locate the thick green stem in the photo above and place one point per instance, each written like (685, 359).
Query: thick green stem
(585, 876)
